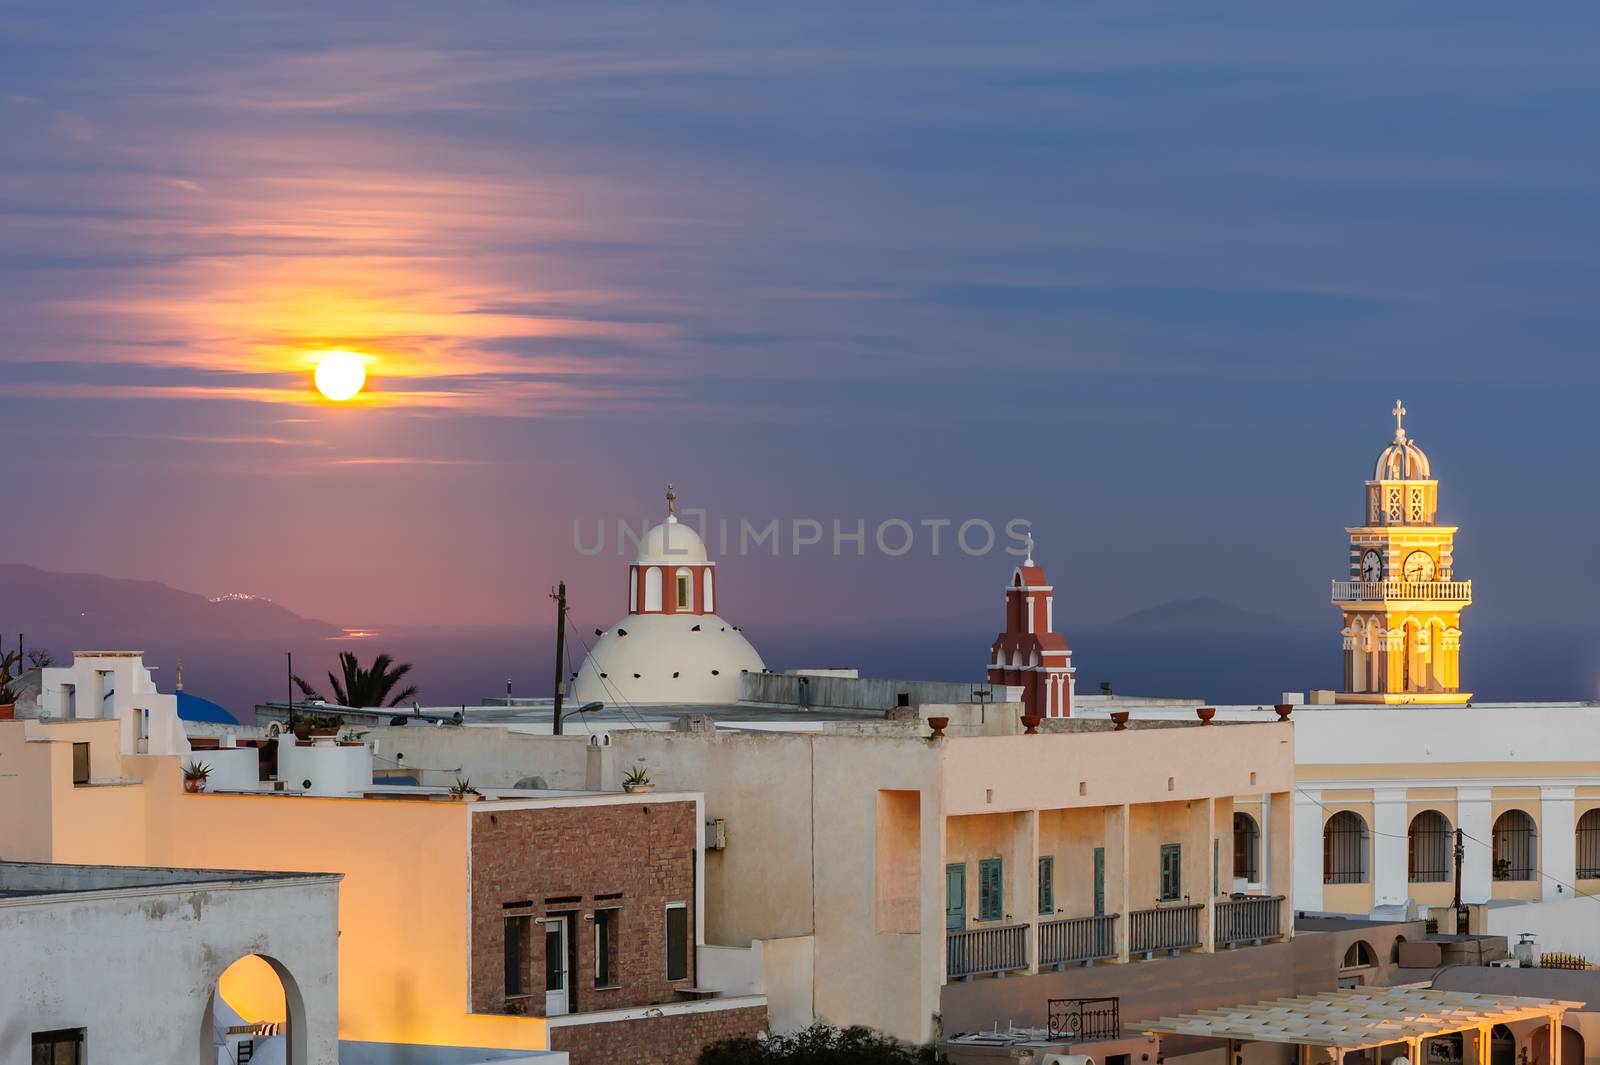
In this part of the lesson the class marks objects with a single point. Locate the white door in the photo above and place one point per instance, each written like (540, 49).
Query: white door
(555, 966)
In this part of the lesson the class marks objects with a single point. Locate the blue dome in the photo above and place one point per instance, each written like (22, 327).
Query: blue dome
(194, 708)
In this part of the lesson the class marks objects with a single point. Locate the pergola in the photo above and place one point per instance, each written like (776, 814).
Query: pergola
(1363, 1018)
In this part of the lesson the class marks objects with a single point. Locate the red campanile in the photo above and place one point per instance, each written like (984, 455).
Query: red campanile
(1029, 654)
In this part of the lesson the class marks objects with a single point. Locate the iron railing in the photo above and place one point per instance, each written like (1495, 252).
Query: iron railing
(1369, 591)
(1248, 918)
(1083, 1019)
(985, 950)
(1075, 939)
(1165, 928)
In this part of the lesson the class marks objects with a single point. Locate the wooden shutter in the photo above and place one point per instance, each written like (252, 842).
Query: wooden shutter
(991, 894)
(955, 896)
(1099, 881)
(1047, 884)
(678, 943)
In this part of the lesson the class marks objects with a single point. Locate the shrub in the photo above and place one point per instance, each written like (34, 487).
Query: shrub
(820, 1044)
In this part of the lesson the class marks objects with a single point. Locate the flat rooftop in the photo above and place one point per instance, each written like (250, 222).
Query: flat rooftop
(37, 879)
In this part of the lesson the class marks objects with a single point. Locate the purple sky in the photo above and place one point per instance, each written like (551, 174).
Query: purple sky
(1147, 277)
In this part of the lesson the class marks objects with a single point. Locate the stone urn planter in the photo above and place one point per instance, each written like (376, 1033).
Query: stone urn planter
(1120, 717)
(1283, 710)
(1030, 724)
(1205, 714)
(938, 725)
(638, 789)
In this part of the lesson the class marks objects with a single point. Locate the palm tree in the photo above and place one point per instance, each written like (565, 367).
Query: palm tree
(364, 687)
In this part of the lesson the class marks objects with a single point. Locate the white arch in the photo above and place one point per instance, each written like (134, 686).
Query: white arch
(652, 588)
(708, 595)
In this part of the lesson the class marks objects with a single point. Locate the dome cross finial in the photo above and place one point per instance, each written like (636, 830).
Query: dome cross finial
(1399, 413)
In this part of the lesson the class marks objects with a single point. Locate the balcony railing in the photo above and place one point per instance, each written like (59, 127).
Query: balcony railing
(1367, 591)
(1077, 939)
(985, 950)
(1249, 919)
(1083, 1019)
(1165, 928)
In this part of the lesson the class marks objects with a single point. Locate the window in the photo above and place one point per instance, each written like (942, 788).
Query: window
(1047, 883)
(80, 763)
(1516, 846)
(1344, 849)
(677, 941)
(605, 947)
(1359, 956)
(991, 890)
(245, 1052)
(1246, 848)
(1171, 872)
(516, 959)
(1099, 881)
(1428, 843)
(61, 1047)
(683, 589)
(1216, 866)
(1588, 840)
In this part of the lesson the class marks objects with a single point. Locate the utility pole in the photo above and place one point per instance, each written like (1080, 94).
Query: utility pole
(1461, 911)
(560, 596)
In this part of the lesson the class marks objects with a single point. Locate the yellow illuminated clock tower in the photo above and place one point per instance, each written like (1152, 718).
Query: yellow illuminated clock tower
(1402, 606)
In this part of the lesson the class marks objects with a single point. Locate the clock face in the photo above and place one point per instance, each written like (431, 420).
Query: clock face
(1419, 566)
(1372, 566)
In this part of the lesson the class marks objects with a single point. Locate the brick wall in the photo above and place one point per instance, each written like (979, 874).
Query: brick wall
(558, 860)
(672, 1040)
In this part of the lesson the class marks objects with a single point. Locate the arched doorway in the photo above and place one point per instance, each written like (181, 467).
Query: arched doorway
(1246, 848)
(255, 1012)
(1571, 1046)
(1503, 1046)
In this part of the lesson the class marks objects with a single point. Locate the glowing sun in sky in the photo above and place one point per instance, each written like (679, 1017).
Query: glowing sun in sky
(340, 374)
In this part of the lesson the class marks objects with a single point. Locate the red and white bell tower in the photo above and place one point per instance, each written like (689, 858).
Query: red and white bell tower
(1029, 654)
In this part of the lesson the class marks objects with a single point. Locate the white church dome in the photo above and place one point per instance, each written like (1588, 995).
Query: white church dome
(672, 543)
(672, 647)
(666, 658)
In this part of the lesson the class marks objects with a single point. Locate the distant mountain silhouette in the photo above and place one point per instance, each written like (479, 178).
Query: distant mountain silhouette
(1198, 615)
(82, 611)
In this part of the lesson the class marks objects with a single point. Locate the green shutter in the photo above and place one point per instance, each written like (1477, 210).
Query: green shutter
(1171, 872)
(991, 896)
(955, 896)
(1047, 883)
(1099, 881)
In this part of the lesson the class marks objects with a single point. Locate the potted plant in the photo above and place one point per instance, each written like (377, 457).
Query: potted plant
(463, 791)
(938, 725)
(195, 775)
(1120, 717)
(325, 724)
(8, 700)
(637, 780)
(1030, 724)
(1205, 714)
